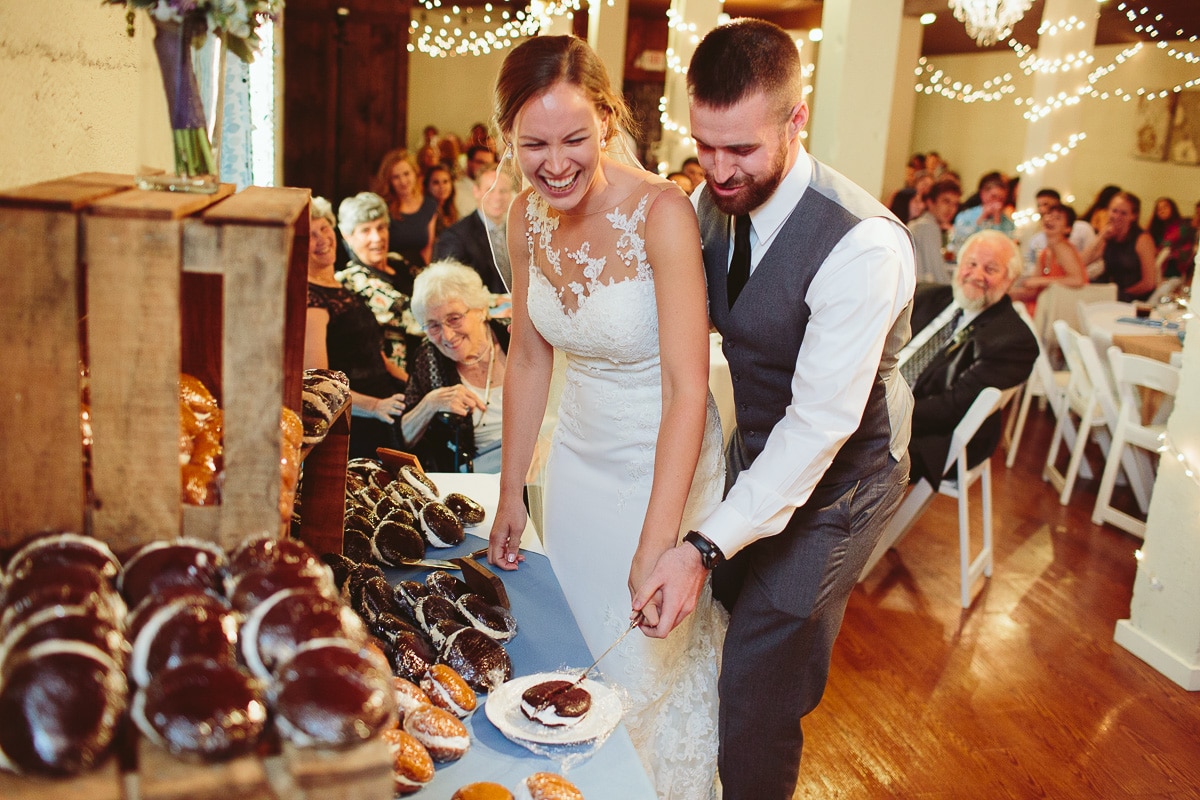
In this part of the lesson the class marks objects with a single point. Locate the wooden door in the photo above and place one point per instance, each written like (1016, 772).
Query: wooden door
(345, 91)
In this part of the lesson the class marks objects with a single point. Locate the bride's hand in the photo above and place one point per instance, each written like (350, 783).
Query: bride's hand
(639, 570)
(677, 578)
(505, 539)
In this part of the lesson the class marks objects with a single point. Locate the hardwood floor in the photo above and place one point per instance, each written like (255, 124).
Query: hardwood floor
(1025, 694)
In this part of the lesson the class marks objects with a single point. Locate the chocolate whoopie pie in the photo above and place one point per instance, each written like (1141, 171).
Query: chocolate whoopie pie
(191, 562)
(283, 622)
(395, 542)
(466, 509)
(556, 704)
(496, 622)
(439, 526)
(445, 585)
(411, 655)
(481, 660)
(420, 481)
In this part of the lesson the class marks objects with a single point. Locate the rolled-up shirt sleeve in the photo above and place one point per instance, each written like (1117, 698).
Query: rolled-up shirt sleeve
(857, 295)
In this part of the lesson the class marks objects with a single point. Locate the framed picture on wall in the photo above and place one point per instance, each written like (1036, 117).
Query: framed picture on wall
(1153, 127)
(1185, 130)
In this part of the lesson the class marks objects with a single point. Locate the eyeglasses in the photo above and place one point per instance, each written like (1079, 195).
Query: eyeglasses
(453, 321)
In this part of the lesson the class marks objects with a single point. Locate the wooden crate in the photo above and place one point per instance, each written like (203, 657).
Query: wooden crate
(359, 773)
(143, 285)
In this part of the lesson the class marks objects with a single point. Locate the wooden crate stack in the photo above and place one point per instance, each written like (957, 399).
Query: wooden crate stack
(142, 286)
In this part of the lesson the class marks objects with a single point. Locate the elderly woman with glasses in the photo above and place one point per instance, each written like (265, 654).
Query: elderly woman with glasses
(456, 380)
(341, 333)
(383, 279)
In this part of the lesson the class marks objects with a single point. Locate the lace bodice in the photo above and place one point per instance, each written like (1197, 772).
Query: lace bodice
(591, 287)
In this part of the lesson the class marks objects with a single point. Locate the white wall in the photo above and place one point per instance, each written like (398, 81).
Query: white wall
(980, 137)
(452, 93)
(70, 99)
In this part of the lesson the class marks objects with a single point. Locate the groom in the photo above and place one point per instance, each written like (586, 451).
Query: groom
(810, 283)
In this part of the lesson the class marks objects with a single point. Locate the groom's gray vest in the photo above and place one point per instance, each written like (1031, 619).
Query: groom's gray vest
(764, 330)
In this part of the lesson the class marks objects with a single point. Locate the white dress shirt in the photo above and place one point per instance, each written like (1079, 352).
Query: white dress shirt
(855, 298)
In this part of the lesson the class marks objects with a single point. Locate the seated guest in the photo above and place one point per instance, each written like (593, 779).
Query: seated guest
(931, 233)
(455, 394)
(968, 337)
(683, 180)
(1057, 262)
(1172, 232)
(478, 157)
(439, 184)
(411, 211)
(1127, 250)
(691, 167)
(478, 240)
(341, 334)
(988, 214)
(1080, 233)
(383, 280)
(1097, 213)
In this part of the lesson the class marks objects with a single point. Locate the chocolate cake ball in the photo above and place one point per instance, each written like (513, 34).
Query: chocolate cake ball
(556, 704)
(280, 625)
(333, 694)
(60, 702)
(201, 708)
(155, 566)
(480, 659)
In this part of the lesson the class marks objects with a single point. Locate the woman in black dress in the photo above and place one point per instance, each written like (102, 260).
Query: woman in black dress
(341, 334)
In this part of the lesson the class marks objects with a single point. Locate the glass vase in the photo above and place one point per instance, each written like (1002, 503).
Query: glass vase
(182, 99)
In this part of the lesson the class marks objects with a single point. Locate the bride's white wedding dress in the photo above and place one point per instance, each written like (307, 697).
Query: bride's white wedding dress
(591, 295)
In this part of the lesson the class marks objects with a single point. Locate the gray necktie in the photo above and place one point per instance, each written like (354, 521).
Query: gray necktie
(912, 369)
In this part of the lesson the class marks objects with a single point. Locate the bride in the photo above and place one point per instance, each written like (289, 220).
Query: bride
(607, 268)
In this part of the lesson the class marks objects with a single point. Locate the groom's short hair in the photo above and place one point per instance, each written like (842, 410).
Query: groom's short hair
(742, 57)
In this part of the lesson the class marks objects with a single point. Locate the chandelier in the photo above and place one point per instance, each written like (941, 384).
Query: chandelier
(989, 21)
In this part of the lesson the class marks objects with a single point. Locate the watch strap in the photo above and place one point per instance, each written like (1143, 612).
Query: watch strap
(710, 554)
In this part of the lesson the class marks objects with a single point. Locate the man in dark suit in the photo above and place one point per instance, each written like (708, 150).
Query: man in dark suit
(470, 240)
(988, 345)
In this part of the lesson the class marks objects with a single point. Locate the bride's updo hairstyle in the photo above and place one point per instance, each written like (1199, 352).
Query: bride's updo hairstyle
(537, 64)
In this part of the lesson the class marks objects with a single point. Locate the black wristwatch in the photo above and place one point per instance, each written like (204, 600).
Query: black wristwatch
(710, 554)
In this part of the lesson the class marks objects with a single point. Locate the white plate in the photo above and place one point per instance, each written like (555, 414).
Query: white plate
(503, 708)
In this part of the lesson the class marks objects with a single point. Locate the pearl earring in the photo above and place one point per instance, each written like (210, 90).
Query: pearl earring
(603, 142)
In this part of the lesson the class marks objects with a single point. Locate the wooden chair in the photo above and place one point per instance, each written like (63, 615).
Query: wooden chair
(1138, 379)
(990, 401)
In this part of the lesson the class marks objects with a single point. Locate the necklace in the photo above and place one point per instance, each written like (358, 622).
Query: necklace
(487, 385)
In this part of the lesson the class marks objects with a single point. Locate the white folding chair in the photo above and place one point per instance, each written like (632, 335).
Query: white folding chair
(1134, 377)
(1045, 383)
(990, 401)
(1079, 400)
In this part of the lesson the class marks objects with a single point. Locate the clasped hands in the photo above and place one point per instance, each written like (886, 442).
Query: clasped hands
(669, 590)
(457, 399)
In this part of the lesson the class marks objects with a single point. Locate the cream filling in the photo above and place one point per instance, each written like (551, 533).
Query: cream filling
(548, 716)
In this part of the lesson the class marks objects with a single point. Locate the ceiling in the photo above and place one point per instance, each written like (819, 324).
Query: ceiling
(947, 35)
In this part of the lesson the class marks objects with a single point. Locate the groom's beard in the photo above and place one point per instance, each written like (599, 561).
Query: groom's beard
(758, 190)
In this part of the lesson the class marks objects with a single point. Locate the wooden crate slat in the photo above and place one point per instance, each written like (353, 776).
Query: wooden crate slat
(41, 455)
(255, 260)
(102, 783)
(161, 776)
(323, 488)
(146, 204)
(134, 346)
(66, 194)
(361, 773)
(256, 205)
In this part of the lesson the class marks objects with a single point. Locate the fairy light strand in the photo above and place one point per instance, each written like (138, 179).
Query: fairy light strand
(440, 32)
(1056, 151)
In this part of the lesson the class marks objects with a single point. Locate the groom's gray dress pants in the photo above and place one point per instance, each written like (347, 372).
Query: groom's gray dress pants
(787, 594)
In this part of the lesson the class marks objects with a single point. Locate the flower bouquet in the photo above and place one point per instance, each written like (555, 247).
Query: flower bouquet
(180, 28)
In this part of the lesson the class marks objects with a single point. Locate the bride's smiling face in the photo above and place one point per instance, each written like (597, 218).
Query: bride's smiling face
(557, 136)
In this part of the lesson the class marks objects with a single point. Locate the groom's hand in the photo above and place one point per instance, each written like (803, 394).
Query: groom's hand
(679, 576)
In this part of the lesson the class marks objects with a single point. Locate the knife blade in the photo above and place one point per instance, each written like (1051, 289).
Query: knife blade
(549, 699)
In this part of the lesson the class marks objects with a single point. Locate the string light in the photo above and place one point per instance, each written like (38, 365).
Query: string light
(1167, 448)
(479, 30)
(1057, 151)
